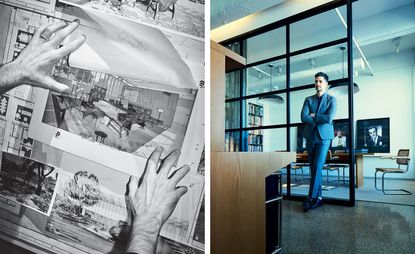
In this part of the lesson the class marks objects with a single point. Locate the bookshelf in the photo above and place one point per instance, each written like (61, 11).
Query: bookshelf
(255, 119)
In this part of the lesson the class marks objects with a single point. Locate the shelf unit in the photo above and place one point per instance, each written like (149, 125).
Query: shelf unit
(255, 119)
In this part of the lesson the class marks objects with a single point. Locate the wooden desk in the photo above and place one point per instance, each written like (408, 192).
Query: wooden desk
(342, 158)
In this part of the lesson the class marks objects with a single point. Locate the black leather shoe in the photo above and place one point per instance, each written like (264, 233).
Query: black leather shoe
(316, 203)
(307, 205)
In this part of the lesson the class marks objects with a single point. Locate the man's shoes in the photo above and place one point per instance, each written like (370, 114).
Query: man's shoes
(312, 204)
(316, 203)
(307, 205)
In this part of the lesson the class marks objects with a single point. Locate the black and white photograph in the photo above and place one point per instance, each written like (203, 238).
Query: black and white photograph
(128, 94)
(373, 135)
(119, 102)
(28, 182)
(90, 209)
(341, 135)
(109, 110)
(43, 6)
(184, 16)
(199, 231)
(301, 141)
(172, 247)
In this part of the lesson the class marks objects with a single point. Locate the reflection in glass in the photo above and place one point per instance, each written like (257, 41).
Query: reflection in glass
(264, 112)
(235, 47)
(266, 77)
(266, 45)
(265, 140)
(318, 29)
(232, 110)
(297, 100)
(232, 80)
(232, 141)
(296, 103)
(331, 60)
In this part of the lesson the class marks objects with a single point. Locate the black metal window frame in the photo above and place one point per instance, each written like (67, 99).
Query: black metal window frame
(241, 39)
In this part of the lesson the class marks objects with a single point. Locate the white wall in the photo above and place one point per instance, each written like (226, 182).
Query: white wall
(390, 93)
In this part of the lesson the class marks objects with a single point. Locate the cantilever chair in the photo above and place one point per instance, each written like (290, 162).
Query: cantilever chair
(403, 161)
(331, 167)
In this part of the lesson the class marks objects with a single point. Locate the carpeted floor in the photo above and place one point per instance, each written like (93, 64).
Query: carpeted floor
(366, 228)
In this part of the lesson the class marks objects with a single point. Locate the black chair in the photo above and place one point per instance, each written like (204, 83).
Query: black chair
(403, 165)
(331, 167)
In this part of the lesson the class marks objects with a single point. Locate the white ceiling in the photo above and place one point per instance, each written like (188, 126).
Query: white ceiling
(225, 11)
(376, 24)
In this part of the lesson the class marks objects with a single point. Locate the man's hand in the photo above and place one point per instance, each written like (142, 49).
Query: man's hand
(312, 115)
(34, 64)
(153, 199)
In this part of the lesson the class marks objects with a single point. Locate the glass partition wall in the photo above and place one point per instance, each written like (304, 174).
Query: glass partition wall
(264, 99)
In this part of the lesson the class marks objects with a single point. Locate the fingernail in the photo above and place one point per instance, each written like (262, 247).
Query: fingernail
(77, 21)
(84, 36)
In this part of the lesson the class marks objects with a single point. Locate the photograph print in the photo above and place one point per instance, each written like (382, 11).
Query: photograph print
(109, 110)
(90, 209)
(341, 135)
(177, 15)
(130, 95)
(301, 141)
(29, 182)
(373, 135)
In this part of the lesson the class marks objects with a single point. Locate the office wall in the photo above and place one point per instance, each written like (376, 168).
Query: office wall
(390, 93)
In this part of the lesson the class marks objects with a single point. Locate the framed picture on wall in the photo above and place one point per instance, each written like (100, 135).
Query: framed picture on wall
(373, 135)
(301, 141)
(341, 138)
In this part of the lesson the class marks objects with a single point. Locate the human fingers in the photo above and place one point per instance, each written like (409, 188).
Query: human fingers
(39, 31)
(64, 32)
(179, 174)
(52, 84)
(52, 28)
(70, 47)
(132, 187)
(153, 160)
(178, 193)
(168, 162)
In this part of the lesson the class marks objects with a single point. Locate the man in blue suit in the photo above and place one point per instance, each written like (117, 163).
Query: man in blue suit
(317, 114)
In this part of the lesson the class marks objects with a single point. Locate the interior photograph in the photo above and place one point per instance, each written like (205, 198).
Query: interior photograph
(273, 52)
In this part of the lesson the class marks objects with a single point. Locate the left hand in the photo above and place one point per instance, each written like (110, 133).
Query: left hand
(312, 115)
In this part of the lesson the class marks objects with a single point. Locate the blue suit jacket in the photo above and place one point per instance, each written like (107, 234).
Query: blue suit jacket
(323, 119)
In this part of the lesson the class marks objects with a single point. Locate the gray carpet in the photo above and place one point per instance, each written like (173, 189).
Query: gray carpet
(366, 228)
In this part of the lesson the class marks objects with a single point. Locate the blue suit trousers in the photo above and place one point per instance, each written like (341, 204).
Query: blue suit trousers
(317, 151)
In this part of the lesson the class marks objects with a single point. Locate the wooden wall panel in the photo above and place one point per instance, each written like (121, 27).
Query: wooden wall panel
(217, 101)
(238, 199)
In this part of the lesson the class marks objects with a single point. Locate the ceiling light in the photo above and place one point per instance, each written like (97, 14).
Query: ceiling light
(397, 42)
(342, 88)
(275, 98)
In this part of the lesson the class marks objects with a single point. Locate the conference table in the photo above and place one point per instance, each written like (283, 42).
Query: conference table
(343, 158)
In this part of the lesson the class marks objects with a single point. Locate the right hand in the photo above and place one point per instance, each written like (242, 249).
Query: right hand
(34, 64)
